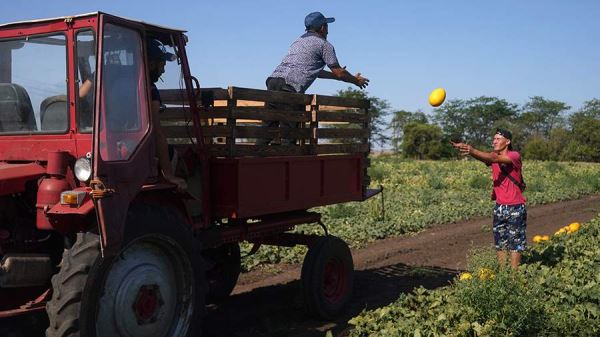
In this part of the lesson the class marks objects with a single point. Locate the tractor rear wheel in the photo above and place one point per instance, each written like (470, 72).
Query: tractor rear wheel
(327, 277)
(154, 287)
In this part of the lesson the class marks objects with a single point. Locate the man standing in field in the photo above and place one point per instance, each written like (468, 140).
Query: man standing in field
(510, 213)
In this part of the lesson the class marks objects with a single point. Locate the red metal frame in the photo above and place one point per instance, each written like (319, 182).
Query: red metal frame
(15, 303)
(125, 177)
(202, 151)
(254, 186)
(36, 147)
(14, 176)
(266, 230)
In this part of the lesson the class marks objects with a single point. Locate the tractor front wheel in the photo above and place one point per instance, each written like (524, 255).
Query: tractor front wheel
(153, 287)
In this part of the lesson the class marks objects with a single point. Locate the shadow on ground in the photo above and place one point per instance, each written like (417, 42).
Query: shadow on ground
(278, 310)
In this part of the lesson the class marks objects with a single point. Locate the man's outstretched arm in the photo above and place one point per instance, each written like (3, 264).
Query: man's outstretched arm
(341, 74)
(485, 157)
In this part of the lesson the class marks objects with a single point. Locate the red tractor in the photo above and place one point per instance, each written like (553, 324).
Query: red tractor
(93, 234)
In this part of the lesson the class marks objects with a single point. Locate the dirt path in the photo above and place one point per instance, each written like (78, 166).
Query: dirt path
(271, 305)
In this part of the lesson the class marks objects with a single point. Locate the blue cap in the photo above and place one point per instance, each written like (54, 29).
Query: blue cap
(315, 20)
(157, 51)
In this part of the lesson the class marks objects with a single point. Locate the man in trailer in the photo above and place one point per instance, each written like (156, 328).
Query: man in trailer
(305, 62)
(307, 58)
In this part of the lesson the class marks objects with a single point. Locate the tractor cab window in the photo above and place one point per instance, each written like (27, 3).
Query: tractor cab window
(124, 121)
(33, 85)
(86, 79)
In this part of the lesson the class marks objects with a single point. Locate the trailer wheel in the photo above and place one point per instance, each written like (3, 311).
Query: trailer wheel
(224, 271)
(154, 287)
(327, 277)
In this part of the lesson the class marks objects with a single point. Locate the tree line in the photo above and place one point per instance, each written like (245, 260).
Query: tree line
(542, 128)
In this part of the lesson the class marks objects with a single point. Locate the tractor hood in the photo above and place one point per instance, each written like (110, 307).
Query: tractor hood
(14, 176)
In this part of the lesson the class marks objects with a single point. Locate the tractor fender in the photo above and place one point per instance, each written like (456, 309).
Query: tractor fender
(70, 219)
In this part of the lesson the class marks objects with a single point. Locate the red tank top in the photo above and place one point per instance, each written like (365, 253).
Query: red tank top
(507, 192)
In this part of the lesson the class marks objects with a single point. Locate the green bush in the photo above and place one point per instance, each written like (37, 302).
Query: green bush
(377, 173)
(537, 149)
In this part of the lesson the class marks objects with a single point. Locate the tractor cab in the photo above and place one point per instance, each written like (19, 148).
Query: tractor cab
(75, 95)
(57, 74)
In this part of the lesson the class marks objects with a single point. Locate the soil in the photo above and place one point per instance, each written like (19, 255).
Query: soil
(269, 302)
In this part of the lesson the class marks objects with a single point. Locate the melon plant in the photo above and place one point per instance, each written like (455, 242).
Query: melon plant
(556, 292)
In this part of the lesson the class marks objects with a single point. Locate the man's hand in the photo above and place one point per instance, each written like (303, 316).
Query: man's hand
(341, 74)
(464, 148)
(361, 82)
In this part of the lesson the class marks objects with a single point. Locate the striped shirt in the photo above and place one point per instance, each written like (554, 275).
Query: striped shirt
(308, 55)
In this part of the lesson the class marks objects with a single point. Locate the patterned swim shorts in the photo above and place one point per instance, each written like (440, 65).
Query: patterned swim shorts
(509, 226)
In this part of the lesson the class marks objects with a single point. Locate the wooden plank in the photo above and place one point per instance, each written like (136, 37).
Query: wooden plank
(184, 113)
(339, 108)
(284, 150)
(341, 101)
(215, 131)
(178, 131)
(173, 96)
(342, 133)
(266, 132)
(257, 150)
(180, 141)
(341, 148)
(175, 113)
(183, 131)
(230, 138)
(269, 96)
(218, 93)
(350, 117)
(179, 96)
(271, 115)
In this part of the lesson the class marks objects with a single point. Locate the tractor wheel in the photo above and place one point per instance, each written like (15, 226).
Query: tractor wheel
(225, 268)
(154, 287)
(327, 277)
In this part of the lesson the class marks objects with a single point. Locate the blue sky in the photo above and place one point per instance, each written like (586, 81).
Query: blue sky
(511, 49)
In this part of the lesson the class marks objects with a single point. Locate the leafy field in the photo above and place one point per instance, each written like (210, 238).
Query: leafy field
(555, 293)
(421, 193)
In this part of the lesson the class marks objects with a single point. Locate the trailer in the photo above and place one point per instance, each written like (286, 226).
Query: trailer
(93, 234)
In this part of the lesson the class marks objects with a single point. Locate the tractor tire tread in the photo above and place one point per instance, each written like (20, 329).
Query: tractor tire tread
(63, 307)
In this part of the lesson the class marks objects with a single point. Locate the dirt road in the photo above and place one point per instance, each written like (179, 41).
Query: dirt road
(264, 304)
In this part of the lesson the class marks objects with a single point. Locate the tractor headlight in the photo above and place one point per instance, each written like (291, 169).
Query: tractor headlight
(83, 169)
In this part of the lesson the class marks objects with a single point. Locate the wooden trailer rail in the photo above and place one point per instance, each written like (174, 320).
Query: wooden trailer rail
(233, 122)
